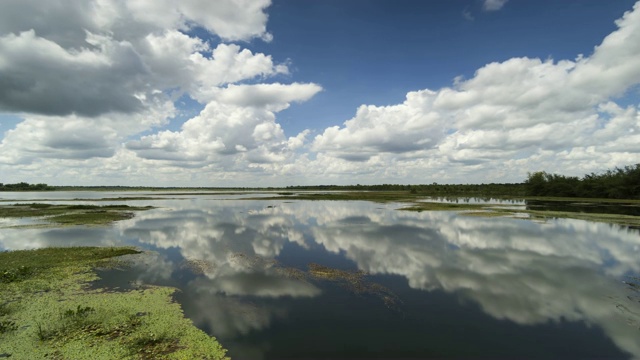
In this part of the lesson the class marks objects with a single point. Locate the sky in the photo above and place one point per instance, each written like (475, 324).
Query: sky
(309, 92)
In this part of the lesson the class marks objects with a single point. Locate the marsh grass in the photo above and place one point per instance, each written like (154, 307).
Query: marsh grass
(52, 313)
(7, 325)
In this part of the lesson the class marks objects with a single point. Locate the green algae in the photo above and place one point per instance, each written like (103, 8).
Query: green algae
(50, 312)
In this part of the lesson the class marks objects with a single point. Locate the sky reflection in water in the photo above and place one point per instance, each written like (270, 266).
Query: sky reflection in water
(466, 286)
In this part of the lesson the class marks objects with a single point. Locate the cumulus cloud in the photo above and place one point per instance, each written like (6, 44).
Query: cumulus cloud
(76, 137)
(40, 76)
(114, 70)
(397, 129)
(240, 120)
(91, 58)
(86, 76)
(510, 115)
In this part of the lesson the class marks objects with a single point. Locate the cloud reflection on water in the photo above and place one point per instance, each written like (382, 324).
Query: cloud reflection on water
(526, 272)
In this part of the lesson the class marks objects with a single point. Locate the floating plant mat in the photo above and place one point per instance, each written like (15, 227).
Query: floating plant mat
(48, 311)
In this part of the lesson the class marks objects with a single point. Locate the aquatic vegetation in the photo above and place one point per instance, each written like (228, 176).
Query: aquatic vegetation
(51, 312)
(481, 210)
(376, 196)
(484, 213)
(76, 214)
(355, 281)
(198, 266)
(291, 273)
(625, 220)
(327, 273)
(253, 262)
(7, 325)
(442, 206)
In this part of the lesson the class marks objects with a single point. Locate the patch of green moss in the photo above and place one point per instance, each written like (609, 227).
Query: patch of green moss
(51, 312)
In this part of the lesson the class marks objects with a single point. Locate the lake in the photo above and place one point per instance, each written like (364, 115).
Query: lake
(273, 279)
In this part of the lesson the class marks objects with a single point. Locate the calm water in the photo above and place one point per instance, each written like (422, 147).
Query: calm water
(438, 284)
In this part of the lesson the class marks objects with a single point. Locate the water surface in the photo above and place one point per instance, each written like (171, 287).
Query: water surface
(438, 284)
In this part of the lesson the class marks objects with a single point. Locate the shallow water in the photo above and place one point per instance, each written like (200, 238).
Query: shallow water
(437, 284)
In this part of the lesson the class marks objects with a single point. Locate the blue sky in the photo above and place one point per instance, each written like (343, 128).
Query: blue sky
(263, 92)
(374, 52)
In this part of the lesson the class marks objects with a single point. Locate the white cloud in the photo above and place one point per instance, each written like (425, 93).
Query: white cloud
(511, 117)
(230, 19)
(493, 5)
(46, 138)
(40, 76)
(86, 76)
(400, 128)
(113, 69)
(94, 57)
(240, 120)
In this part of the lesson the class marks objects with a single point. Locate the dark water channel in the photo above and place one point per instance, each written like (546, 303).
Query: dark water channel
(275, 279)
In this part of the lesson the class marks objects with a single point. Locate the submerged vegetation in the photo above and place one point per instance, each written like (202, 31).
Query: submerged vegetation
(355, 282)
(48, 311)
(71, 214)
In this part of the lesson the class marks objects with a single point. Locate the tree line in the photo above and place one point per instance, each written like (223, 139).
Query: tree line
(434, 189)
(619, 183)
(23, 186)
